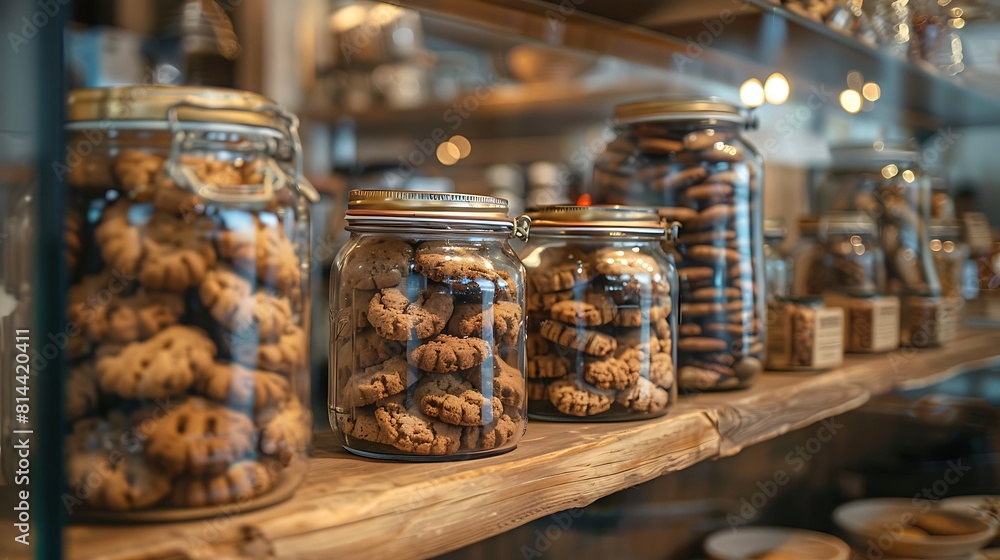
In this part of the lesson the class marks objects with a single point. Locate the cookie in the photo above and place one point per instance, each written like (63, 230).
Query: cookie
(395, 317)
(354, 317)
(462, 269)
(452, 399)
(536, 346)
(595, 310)
(176, 254)
(708, 192)
(124, 479)
(412, 432)
(644, 396)
(446, 354)
(240, 388)
(286, 431)
(240, 482)
(166, 364)
(611, 373)
(129, 318)
(637, 316)
(683, 178)
(712, 217)
(135, 172)
(538, 301)
(661, 369)
(362, 425)
(559, 277)
(616, 261)
(376, 383)
(678, 214)
(508, 384)
(586, 341)
(538, 390)
(257, 245)
(287, 355)
(491, 436)
(81, 392)
(701, 344)
(119, 242)
(658, 146)
(232, 302)
(710, 254)
(547, 366)
(197, 437)
(573, 398)
(377, 263)
(506, 316)
(371, 349)
(702, 309)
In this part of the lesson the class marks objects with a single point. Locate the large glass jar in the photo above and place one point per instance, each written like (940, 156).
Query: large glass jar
(427, 337)
(689, 158)
(188, 302)
(887, 183)
(602, 303)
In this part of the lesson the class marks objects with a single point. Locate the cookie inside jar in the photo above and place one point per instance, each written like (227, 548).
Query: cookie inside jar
(601, 314)
(689, 157)
(188, 338)
(428, 331)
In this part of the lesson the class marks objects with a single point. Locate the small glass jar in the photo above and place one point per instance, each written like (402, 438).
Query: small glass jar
(188, 302)
(777, 265)
(690, 158)
(810, 275)
(602, 302)
(950, 253)
(855, 257)
(887, 183)
(427, 336)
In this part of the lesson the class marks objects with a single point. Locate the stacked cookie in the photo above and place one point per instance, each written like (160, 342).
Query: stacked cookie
(599, 334)
(703, 180)
(427, 347)
(186, 383)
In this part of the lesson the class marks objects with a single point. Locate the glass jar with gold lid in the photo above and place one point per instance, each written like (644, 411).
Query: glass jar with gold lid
(602, 314)
(427, 330)
(187, 237)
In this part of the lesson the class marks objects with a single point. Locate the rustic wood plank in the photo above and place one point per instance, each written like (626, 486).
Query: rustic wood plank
(350, 507)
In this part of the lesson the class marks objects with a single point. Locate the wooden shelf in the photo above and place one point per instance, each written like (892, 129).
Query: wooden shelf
(351, 507)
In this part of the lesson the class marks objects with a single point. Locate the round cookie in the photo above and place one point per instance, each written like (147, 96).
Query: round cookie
(573, 398)
(228, 297)
(395, 317)
(452, 399)
(197, 437)
(701, 344)
(508, 383)
(661, 369)
(411, 432)
(636, 316)
(362, 425)
(446, 354)
(176, 254)
(644, 396)
(586, 341)
(493, 435)
(166, 364)
(547, 366)
(371, 349)
(287, 355)
(240, 388)
(240, 482)
(107, 475)
(467, 320)
(464, 271)
(559, 278)
(377, 263)
(129, 318)
(376, 383)
(258, 245)
(611, 373)
(285, 431)
(538, 301)
(595, 310)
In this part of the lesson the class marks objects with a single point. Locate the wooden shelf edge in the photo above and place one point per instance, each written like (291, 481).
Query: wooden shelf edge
(356, 508)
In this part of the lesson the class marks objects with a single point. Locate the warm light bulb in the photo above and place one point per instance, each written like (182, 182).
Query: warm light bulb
(752, 93)
(776, 89)
(463, 145)
(871, 91)
(850, 100)
(890, 171)
(447, 153)
(908, 176)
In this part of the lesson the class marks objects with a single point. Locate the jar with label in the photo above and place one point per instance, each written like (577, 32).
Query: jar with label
(188, 302)
(928, 321)
(887, 183)
(602, 303)
(803, 335)
(810, 273)
(427, 334)
(689, 157)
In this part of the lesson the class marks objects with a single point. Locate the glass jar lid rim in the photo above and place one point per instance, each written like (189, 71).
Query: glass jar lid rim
(880, 152)
(838, 222)
(679, 108)
(429, 204)
(152, 102)
(944, 227)
(636, 219)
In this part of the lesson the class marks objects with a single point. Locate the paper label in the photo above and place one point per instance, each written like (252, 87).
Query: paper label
(870, 324)
(828, 347)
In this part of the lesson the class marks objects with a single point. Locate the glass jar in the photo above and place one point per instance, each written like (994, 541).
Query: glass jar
(950, 253)
(855, 258)
(601, 314)
(427, 337)
(810, 274)
(188, 305)
(777, 265)
(887, 183)
(689, 157)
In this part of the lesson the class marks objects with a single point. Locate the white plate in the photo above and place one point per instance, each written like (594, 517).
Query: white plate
(869, 524)
(742, 544)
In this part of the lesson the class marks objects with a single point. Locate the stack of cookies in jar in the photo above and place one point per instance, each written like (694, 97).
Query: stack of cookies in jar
(427, 346)
(188, 383)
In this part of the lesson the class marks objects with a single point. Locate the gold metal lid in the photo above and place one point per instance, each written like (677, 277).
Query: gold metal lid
(674, 109)
(598, 219)
(422, 210)
(151, 103)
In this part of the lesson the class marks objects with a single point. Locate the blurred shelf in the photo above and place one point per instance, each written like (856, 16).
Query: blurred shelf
(351, 507)
(743, 38)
